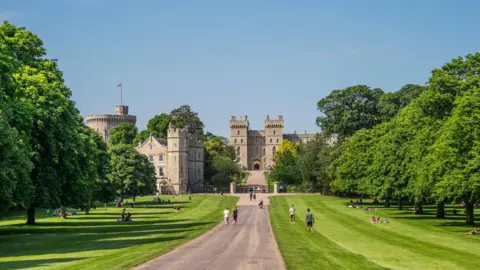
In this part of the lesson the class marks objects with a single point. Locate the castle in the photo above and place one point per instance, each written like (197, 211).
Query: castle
(178, 160)
(102, 123)
(256, 149)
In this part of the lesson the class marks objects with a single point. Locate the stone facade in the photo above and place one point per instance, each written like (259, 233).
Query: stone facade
(102, 123)
(256, 148)
(178, 161)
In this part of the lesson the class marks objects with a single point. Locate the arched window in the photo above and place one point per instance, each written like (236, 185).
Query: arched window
(274, 132)
(238, 132)
(274, 150)
(238, 151)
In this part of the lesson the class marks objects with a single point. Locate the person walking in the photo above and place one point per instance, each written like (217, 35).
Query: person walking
(251, 195)
(254, 196)
(235, 215)
(226, 215)
(309, 220)
(292, 214)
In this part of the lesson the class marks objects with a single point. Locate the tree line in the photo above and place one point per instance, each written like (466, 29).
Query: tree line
(49, 158)
(419, 144)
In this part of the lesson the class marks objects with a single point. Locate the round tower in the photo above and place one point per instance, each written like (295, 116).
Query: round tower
(102, 123)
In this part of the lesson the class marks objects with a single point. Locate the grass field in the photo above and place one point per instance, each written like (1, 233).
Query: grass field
(97, 241)
(344, 238)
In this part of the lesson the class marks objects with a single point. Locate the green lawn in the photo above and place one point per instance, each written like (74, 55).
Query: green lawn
(344, 238)
(97, 241)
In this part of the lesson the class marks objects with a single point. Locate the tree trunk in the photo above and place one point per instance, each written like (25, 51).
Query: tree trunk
(441, 210)
(63, 212)
(387, 203)
(87, 210)
(469, 218)
(400, 204)
(31, 215)
(418, 208)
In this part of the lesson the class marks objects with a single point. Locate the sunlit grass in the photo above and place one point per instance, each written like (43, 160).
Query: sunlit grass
(97, 241)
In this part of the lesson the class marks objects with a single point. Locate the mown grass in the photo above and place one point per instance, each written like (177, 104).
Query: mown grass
(344, 238)
(97, 241)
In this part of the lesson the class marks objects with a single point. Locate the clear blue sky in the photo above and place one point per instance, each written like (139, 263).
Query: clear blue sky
(248, 57)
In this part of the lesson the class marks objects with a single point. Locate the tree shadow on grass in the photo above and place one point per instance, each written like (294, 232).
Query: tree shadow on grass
(36, 263)
(26, 245)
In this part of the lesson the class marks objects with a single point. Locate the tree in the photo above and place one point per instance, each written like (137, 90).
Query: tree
(46, 119)
(131, 171)
(391, 103)
(286, 169)
(184, 116)
(124, 133)
(349, 110)
(286, 146)
(158, 125)
(220, 160)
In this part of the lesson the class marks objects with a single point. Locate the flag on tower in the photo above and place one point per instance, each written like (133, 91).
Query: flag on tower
(119, 85)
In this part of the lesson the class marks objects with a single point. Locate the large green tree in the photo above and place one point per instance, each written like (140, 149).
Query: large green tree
(348, 110)
(131, 172)
(47, 120)
(184, 116)
(220, 161)
(124, 133)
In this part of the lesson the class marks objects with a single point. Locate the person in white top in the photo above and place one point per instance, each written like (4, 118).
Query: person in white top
(292, 214)
(226, 215)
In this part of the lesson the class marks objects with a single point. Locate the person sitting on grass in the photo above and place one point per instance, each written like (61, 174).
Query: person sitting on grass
(74, 213)
(379, 220)
(129, 217)
(360, 202)
(475, 231)
(373, 220)
(176, 208)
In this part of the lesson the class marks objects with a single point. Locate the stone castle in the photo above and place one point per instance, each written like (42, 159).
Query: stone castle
(102, 123)
(256, 148)
(178, 160)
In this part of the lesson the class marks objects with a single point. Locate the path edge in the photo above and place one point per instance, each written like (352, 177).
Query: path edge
(220, 223)
(275, 243)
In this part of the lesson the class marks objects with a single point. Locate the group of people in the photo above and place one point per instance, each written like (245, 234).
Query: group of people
(226, 215)
(378, 220)
(160, 201)
(125, 218)
(309, 220)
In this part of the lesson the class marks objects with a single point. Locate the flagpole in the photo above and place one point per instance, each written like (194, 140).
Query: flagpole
(121, 94)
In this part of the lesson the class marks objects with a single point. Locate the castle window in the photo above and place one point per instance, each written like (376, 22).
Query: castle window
(150, 146)
(277, 140)
(160, 171)
(270, 140)
(150, 158)
(241, 141)
(238, 132)
(274, 150)
(160, 157)
(181, 171)
(238, 151)
(274, 132)
(235, 140)
(264, 151)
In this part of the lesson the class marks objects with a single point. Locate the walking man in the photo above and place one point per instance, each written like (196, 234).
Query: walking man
(235, 215)
(309, 221)
(226, 215)
(254, 197)
(292, 214)
(251, 195)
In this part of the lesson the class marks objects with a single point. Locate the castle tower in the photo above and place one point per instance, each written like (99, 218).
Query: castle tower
(196, 156)
(239, 139)
(102, 123)
(177, 158)
(273, 138)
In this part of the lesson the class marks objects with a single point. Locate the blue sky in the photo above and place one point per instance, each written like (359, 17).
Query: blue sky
(246, 57)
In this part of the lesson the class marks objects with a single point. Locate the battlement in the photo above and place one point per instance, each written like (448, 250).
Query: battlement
(242, 123)
(176, 132)
(111, 118)
(276, 123)
(121, 110)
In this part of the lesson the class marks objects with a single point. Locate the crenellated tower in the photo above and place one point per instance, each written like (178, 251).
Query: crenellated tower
(239, 139)
(273, 138)
(102, 123)
(196, 154)
(178, 158)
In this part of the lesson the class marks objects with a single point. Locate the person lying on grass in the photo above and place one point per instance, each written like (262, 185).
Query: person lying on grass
(475, 231)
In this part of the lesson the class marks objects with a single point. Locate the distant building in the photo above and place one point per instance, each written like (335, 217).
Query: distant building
(256, 148)
(178, 160)
(102, 123)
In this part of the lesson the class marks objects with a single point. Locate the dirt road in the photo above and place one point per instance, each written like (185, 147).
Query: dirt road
(249, 244)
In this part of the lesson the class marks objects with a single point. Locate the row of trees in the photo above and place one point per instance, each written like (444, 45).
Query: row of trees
(418, 144)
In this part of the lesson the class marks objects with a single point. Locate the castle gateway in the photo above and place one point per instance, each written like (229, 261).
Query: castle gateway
(256, 149)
